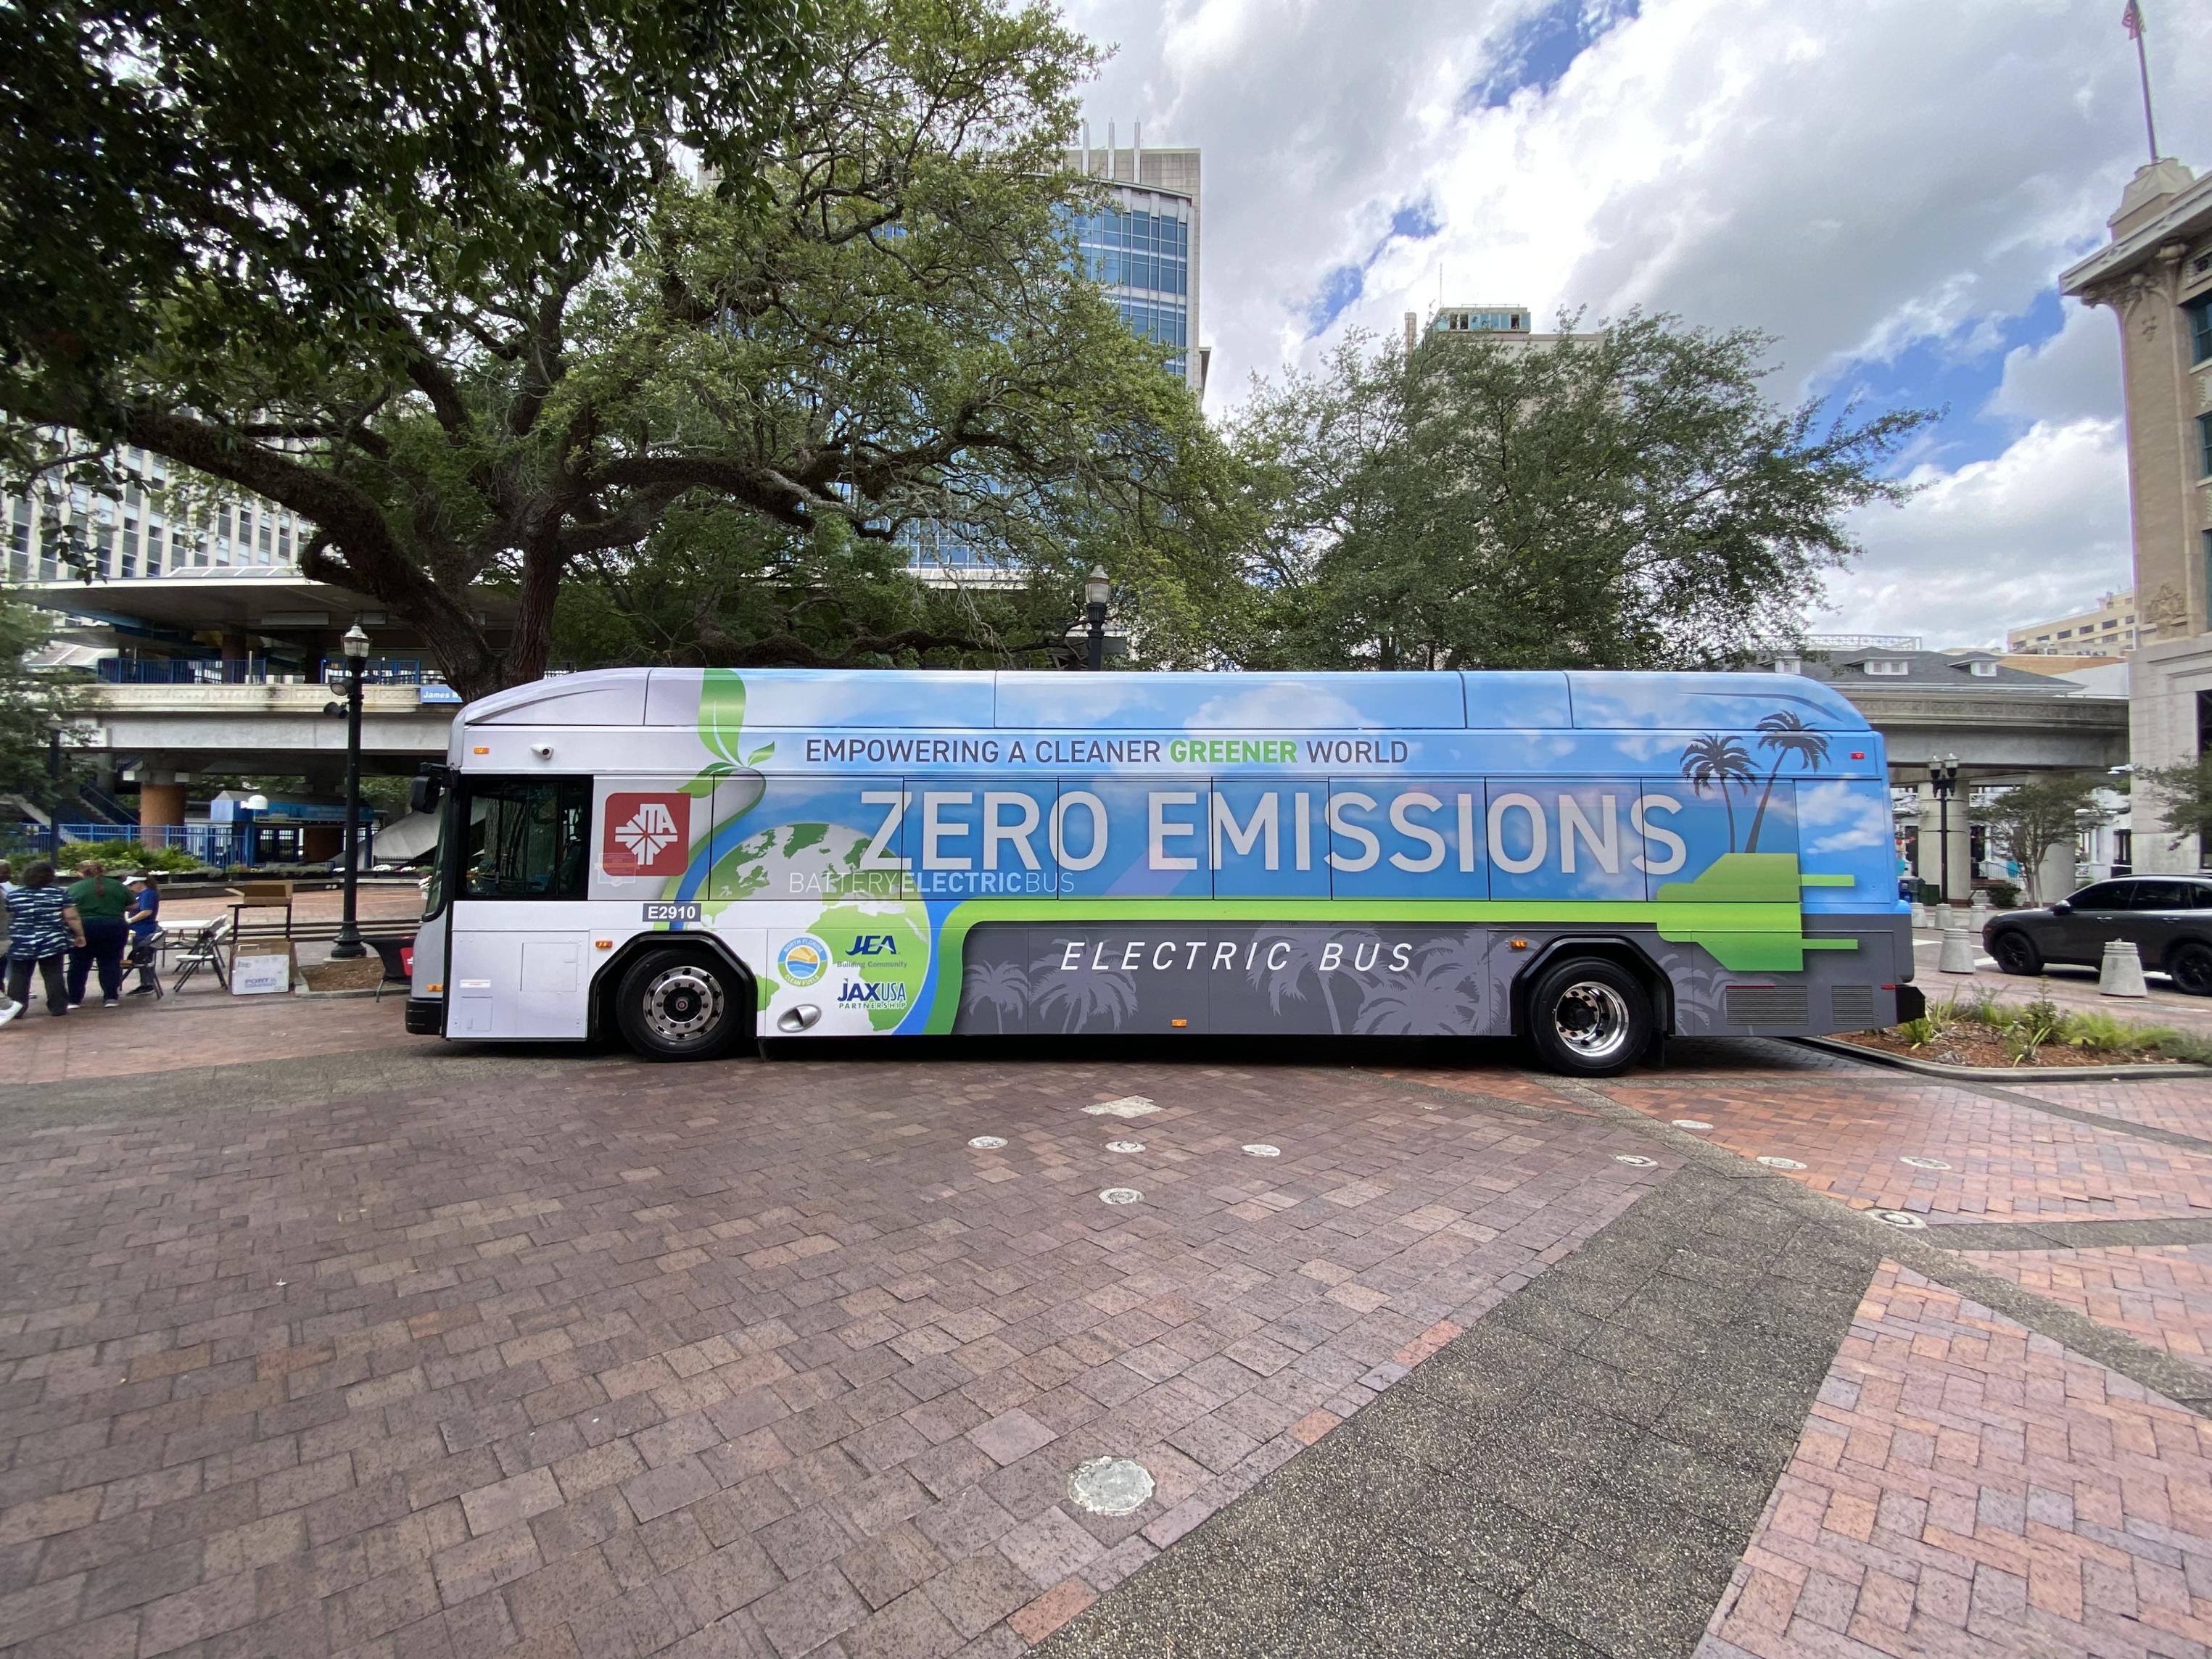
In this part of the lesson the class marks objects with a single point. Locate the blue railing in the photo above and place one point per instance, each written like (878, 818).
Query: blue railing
(259, 670)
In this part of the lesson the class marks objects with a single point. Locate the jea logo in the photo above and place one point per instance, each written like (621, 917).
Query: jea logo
(647, 835)
(873, 945)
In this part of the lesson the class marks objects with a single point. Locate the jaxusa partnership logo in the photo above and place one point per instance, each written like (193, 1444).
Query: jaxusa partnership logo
(647, 835)
(802, 961)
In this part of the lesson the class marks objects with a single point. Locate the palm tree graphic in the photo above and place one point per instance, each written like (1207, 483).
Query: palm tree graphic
(1004, 985)
(1787, 735)
(1716, 761)
(1443, 997)
(1085, 995)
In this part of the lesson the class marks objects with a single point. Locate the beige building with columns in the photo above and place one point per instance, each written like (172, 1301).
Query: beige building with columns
(2155, 275)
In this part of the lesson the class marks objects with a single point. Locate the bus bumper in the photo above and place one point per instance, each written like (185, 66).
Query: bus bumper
(426, 1016)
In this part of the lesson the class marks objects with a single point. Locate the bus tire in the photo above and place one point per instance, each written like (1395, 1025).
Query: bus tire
(1590, 1017)
(678, 1003)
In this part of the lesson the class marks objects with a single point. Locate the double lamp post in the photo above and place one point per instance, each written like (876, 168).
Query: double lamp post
(1943, 779)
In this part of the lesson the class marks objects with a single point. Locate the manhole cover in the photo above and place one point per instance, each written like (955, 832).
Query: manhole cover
(1127, 1106)
(1925, 1162)
(1692, 1123)
(1125, 1146)
(1636, 1160)
(987, 1143)
(1781, 1163)
(1262, 1149)
(1119, 1195)
(1110, 1485)
(1903, 1218)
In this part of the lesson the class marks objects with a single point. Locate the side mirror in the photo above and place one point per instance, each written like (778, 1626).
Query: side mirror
(424, 788)
(2062, 908)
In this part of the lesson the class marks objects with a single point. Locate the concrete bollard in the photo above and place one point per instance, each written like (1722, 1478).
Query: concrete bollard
(1979, 903)
(1958, 950)
(1919, 913)
(2120, 974)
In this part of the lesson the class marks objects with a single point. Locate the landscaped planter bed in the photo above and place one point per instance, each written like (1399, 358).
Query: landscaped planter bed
(1984, 1032)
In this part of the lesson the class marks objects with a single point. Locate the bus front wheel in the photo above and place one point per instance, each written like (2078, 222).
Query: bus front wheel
(1590, 1017)
(682, 1004)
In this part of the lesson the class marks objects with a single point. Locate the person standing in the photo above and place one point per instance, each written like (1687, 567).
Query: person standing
(144, 919)
(100, 902)
(9, 1006)
(42, 926)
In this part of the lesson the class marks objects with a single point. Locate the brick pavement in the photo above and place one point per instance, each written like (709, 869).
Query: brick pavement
(2006, 1161)
(145, 1036)
(1965, 1488)
(2182, 1105)
(2159, 1294)
(619, 1359)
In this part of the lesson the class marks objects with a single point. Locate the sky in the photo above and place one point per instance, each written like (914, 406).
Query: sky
(1890, 187)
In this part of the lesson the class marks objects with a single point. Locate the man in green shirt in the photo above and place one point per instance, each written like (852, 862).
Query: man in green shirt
(100, 902)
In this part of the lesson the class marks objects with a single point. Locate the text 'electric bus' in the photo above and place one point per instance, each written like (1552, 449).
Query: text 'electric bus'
(701, 858)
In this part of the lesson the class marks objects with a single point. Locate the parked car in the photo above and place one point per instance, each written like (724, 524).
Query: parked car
(2168, 919)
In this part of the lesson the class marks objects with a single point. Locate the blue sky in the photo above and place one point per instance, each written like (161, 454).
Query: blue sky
(1888, 187)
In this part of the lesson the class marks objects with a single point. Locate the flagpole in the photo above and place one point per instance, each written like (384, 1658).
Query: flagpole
(2142, 63)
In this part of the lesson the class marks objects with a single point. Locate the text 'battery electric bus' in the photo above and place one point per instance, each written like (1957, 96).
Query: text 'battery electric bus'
(699, 859)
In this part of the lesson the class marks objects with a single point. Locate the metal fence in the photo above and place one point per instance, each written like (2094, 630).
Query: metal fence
(261, 671)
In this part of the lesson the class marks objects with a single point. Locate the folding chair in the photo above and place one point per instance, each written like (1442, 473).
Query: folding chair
(203, 949)
(146, 954)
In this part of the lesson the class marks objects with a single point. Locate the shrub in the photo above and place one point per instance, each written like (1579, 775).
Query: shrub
(2100, 1032)
(2037, 1023)
(122, 856)
(1919, 1033)
(2180, 1045)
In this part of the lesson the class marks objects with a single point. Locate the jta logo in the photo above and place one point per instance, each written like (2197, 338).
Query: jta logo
(647, 835)
(873, 945)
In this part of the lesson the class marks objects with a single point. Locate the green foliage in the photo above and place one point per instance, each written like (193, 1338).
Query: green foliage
(121, 857)
(2183, 796)
(2099, 1031)
(2185, 1045)
(1632, 501)
(34, 704)
(2031, 818)
(1918, 1033)
(538, 353)
(2037, 1023)
(175, 171)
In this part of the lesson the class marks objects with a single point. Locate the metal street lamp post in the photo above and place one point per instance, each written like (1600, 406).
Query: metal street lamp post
(348, 945)
(1095, 590)
(1943, 779)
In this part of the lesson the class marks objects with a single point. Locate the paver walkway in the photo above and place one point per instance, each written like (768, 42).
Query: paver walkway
(315, 1339)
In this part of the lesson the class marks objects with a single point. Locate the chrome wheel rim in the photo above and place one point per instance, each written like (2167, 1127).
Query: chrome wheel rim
(683, 1004)
(1591, 1019)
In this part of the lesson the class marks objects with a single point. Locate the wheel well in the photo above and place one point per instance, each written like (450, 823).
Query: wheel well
(1619, 952)
(609, 974)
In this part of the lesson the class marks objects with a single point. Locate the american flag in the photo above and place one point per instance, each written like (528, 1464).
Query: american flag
(2131, 21)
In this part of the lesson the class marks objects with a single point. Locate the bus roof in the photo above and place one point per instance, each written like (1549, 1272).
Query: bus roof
(900, 699)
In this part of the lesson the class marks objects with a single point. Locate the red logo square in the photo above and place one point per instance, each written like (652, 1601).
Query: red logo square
(647, 835)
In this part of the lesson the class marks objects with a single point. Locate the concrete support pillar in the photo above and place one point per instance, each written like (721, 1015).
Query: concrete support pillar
(161, 806)
(1962, 846)
(1923, 862)
(2054, 878)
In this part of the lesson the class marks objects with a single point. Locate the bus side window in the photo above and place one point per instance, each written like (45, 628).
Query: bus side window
(528, 838)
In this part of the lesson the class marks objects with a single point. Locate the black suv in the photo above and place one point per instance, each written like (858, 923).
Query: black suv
(2167, 918)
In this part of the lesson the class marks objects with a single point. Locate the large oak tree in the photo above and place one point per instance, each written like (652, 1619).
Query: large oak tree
(1625, 499)
(538, 279)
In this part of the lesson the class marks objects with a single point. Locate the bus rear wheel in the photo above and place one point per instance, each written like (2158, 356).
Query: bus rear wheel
(677, 1004)
(1590, 1017)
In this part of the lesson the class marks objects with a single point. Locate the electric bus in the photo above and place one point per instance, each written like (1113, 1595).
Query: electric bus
(701, 859)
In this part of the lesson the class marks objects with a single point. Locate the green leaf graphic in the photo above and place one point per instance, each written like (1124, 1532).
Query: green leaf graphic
(760, 754)
(722, 712)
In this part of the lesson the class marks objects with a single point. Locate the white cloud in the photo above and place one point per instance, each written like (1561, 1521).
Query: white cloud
(2073, 375)
(2039, 530)
(1854, 176)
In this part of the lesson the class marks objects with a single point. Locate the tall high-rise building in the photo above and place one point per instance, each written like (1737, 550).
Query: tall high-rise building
(2155, 274)
(1144, 246)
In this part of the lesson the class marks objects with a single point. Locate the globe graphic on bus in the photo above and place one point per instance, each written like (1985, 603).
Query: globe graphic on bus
(878, 947)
